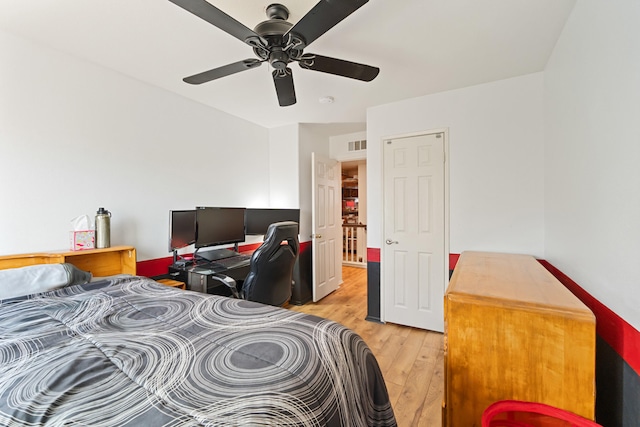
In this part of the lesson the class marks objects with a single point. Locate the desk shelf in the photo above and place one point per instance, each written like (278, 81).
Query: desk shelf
(173, 283)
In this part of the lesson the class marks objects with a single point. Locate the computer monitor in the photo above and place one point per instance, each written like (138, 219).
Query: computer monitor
(219, 226)
(257, 221)
(182, 229)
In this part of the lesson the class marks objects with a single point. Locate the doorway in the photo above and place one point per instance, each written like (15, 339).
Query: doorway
(354, 213)
(415, 245)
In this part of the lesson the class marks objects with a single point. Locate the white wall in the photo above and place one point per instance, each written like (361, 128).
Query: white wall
(592, 180)
(496, 161)
(283, 167)
(75, 136)
(339, 146)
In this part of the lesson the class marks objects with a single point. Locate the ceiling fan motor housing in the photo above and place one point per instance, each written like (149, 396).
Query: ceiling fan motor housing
(279, 50)
(273, 27)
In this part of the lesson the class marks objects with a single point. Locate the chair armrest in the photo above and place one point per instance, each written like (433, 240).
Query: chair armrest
(227, 281)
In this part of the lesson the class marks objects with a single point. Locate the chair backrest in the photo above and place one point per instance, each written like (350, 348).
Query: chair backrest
(271, 270)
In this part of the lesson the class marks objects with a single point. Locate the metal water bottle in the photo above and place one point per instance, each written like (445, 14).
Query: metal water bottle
(103, 228)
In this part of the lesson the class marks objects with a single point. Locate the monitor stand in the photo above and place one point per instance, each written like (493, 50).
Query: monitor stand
(216, 254)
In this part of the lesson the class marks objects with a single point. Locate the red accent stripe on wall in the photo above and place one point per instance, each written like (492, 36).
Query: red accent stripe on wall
(249, 247)
(453, 260)
(619, 334)
(373, 254)
(153, 267)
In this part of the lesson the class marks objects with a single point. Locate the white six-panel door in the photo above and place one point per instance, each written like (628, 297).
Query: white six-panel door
(413, 252)
(326, 225)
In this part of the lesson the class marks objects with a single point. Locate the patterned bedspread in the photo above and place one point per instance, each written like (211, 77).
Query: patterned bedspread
(131, 352)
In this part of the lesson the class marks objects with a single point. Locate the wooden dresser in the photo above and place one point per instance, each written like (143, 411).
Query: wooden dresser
(512, 331)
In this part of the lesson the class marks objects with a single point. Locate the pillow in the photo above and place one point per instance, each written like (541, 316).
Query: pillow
(17, 282)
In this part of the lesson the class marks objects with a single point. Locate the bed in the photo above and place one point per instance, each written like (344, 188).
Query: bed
(128, 351)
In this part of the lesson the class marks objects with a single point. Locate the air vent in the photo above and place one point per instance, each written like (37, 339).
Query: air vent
(357, 145)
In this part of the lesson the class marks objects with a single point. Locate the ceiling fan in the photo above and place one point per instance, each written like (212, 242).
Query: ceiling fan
(279, 42)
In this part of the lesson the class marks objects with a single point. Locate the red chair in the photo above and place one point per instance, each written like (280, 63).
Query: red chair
(514, 413)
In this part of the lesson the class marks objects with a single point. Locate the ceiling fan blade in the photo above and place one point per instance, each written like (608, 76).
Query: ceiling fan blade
(324, 16)
(213, 15)
(339, 67)
(223, 71)
(284, 87)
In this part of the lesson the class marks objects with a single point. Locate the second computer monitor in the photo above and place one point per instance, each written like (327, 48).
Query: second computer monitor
(219, 226)
(257, 221)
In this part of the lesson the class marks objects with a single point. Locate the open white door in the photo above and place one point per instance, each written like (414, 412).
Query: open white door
(326, 223)
(413, 254)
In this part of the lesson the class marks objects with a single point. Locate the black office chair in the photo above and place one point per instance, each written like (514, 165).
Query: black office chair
(270, 275)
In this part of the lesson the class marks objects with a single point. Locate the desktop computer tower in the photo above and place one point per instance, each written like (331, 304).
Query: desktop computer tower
(201, 280)
(197, 281)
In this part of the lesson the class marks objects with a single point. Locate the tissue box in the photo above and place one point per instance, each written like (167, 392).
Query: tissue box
(80, 240)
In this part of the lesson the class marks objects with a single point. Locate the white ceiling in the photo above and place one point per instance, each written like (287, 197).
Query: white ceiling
(421, 47)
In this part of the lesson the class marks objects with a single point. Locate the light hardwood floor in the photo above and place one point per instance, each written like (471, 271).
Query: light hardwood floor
(411, 359)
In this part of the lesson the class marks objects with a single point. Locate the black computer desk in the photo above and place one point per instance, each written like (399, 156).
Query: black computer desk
(198, 278)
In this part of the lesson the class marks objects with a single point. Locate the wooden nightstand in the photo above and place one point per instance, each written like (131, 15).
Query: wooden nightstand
(173, 283)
